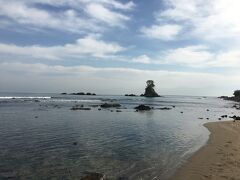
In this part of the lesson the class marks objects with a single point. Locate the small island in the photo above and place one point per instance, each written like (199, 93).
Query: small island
(149, 90)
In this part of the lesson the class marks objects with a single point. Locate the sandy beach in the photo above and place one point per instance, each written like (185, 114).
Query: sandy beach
(219, 159)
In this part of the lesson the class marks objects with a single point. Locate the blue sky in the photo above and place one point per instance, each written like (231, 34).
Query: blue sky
(113, 47)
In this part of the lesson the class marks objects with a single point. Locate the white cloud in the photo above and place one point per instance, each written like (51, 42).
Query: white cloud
(87, 46)
(200, 57)
(103, 14)
(38, 77)
(162, 32)
(144, 59)
(228, 59)
(74, 3)
(71, 18)
(197, 56)
(215, 19)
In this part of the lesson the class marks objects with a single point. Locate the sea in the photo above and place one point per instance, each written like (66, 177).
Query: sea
(42, 138)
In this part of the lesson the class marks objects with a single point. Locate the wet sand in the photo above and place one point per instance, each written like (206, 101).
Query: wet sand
(219, 159)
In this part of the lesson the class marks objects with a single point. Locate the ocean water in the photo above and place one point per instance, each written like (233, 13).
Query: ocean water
(42, 138)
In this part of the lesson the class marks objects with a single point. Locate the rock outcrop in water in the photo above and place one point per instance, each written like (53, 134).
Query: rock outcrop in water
(107, 105)
(149, 90)
(143, 107)
(78, 107)
(82, 94)
(236, 96)
(130, 95)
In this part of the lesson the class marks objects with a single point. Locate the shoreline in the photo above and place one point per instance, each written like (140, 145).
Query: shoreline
(218, 159)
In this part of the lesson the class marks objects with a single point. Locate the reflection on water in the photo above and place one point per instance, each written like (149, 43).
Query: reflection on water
(44, 138)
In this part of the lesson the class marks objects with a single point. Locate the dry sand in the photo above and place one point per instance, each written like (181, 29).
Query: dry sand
(219, 159)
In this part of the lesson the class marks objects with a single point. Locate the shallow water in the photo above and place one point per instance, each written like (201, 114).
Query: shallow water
(38, 132)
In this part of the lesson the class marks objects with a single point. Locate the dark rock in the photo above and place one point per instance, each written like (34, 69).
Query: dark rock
(207, 110)
(74, 108)
(236, 96)
(207, 118)
(181, 112)
(143, 107)
(64, 93)
(122, 178)
(118, 111)
(149, 90)
(219, 119)
(235, 117)
(224, 116)
(75, 143)
(36, 117)
(99, 109)
(237, 106)
(200, 118)
(223, 97)
(81, 93)
(36, 100)
(130, 95)
(93, 176)
(165, 108)
(107, 105)
(173, 106)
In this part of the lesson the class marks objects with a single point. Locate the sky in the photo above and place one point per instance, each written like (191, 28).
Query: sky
(188, 47)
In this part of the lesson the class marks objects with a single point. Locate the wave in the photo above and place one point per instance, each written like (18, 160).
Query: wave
(76, 100)
(24, 97)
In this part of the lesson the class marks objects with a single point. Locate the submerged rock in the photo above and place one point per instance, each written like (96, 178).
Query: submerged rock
(143, 107)
(122, 178)
(75, 143)
(77, 107)
(107, 105)
(94, 105)
(94, 176)
(165, 108)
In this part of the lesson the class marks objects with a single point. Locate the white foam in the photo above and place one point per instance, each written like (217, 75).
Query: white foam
(77, 100)
(24, 97)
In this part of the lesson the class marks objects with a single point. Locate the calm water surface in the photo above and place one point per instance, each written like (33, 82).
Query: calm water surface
(38, 135)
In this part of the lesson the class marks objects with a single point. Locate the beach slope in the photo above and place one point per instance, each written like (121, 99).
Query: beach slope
(219, 159)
